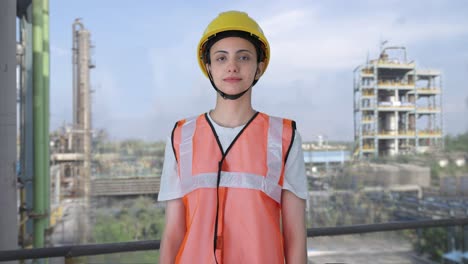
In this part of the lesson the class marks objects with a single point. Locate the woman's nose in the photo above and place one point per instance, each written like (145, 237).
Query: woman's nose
(232, 66)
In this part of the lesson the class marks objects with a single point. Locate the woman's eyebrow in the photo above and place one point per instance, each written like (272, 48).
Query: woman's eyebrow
(239, 51)
(221, 51)
(244, 50)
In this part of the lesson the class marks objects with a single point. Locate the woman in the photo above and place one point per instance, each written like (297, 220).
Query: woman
(234, 178)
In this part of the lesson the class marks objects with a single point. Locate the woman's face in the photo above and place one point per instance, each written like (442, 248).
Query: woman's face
(234, 64)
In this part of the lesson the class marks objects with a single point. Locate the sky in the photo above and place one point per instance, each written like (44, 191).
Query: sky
(147, 77)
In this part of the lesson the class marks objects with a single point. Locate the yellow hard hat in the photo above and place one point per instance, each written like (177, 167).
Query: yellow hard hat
(233, 21)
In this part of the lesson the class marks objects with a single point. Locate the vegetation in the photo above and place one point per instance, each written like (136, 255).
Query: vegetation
(134, 220)
(458, 143)
(433, 242)
(343, 209)
(129, 158)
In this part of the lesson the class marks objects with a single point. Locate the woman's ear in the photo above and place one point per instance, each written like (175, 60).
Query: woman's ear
(260, 68)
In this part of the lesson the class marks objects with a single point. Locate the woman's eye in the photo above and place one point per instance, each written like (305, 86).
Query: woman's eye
(221, 59)
(244, 58)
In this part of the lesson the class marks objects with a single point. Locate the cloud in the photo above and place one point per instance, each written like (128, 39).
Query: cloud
(155, 79)
(275, 26)
(302, 40)
(313, 55)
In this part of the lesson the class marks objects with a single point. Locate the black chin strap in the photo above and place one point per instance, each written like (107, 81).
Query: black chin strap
(225, 95)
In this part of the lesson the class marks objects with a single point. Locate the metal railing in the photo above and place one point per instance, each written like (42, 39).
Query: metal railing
(99, 249)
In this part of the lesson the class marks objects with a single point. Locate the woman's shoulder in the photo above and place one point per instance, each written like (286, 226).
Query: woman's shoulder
(275, 116)
(285, 119)
(189, 119)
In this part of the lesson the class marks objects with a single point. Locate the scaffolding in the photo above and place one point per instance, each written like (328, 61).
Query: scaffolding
(397, 107)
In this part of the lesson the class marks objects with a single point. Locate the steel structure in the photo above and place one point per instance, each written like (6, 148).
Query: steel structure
(33, 101)
(397, 107)
(8, 181)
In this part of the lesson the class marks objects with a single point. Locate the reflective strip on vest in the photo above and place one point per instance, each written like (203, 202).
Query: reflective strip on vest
(186, 153)
(274, 156)
(269, 184)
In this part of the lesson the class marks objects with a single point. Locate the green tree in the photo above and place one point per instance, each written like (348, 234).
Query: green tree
(457, 143)
(137, 220)
(432, 242)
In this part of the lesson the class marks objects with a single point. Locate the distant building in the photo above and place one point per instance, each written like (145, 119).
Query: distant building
(320, 158)
(397, 107)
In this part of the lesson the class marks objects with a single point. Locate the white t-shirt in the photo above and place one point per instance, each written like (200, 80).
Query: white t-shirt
(294, 175)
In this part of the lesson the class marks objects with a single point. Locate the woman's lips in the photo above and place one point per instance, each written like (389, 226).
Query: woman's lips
(232, 79)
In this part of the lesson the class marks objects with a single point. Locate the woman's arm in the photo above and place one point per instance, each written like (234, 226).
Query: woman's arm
(294, 228)
(174, 231)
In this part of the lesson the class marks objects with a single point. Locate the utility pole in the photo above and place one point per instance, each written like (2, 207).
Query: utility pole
(8, 181)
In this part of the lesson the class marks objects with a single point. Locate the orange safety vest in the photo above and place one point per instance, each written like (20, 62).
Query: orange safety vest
(237, 193)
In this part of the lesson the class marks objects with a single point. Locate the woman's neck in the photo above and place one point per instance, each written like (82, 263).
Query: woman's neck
(232, 113)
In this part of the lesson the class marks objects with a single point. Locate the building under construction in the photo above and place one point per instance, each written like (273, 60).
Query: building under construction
(397, 107)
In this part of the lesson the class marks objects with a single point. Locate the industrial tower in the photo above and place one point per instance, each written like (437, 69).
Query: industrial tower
(71, 147)
(82, 101)
(397, 107)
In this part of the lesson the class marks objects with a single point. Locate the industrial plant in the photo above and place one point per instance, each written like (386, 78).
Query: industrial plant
(397, 106)
(71, 148)
(62, 189)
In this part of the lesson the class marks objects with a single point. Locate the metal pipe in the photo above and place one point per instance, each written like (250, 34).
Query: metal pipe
(57, 175)
(79, 251)
(39, 211)
(26, 126)
(21, 174)
(29, 122)
(46, 79)
(8, 181)
(77, 25)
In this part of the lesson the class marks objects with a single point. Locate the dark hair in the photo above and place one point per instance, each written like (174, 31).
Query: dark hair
(259, 47)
